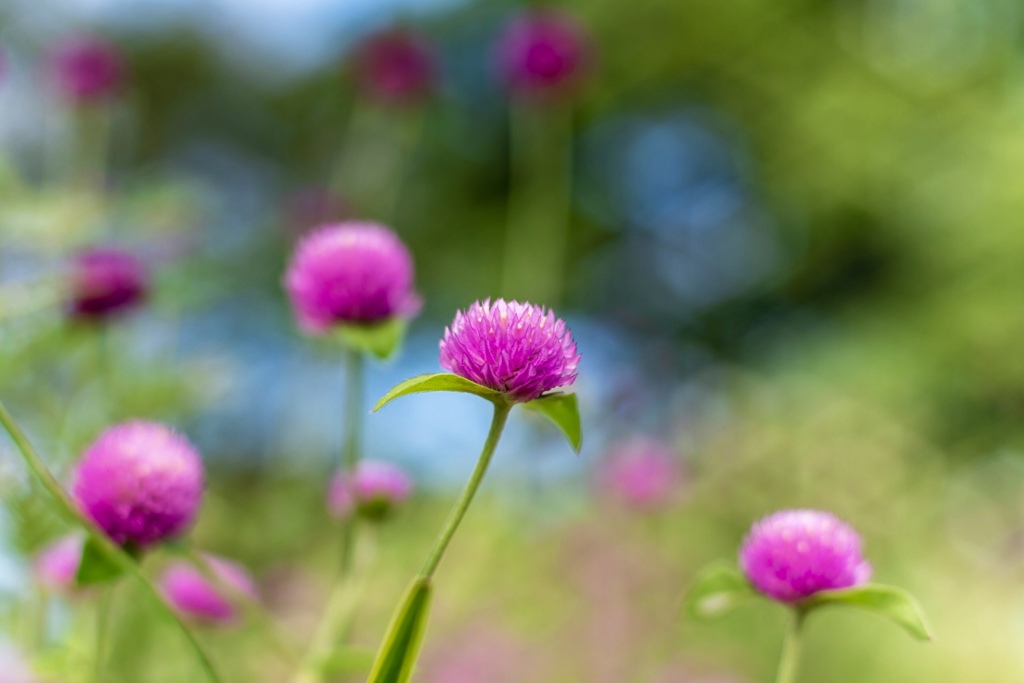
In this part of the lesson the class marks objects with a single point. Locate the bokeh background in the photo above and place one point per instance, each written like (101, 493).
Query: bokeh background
(787, 236)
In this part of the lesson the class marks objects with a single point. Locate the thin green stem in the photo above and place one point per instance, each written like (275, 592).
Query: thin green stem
(790, 658)
(103, 607)
(113, 552)
(354, 371)
(501, 411)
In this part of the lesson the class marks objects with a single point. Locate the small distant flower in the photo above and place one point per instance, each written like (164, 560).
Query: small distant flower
(13, 666)
(642, 472)
(543, 52)
(396, 67)
(373, 491)
(141, 482)
(350, 273)
(793, 554)
(517, 348)
(106, 281)
(56, 565)
(88, 69)
(195, 596)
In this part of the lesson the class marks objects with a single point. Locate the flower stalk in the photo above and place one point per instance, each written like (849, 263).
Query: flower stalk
(790, 658)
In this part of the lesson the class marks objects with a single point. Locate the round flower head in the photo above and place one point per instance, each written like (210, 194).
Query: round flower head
(141, 482)
(56, 565)
(106, 281)
(396, 67)
(641, 472)
(87, 69)
(542, 52)
(193, 595)
(793, 554)
(520, 349)
(350, 273)
(373, 491)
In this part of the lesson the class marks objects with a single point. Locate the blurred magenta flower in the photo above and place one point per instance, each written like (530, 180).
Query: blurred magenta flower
(141, 482)
(642, 472)
(373, 491)
(520, 349)
(56, 565)
(88, 69)
(543, 52)
(106, 281)
(395, 67)
(793, 554)
(350, 273)
(193, 595)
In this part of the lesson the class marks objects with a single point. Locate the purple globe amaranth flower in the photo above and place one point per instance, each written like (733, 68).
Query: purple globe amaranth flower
(372, 491)
(350, 273)
(642, 472)
(194, 595)
(793, 554)
(395, 67)
(141, 482)
(106, 281)
(88, 69)
(56, 565)
(516, 348)
(543, 52)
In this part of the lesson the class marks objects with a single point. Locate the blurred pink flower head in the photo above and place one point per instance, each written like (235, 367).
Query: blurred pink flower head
(56, 565)
(88, 69)
(105, 282)
(396, 67)
(641, 472)
(14, 668)
(374, 490)
(516, 348)
(350, 273)
(141, 482)
(196, 597)
(793, 554)
(543, 52)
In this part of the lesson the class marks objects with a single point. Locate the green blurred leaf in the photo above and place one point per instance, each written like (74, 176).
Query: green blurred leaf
(438, 382)
(718, 589)
(95, 566)
(349, 661)
(564, 412)
(895, 604)
(382, 340)
(397, 655)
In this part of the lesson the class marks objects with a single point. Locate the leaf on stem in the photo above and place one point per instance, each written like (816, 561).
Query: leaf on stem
(397, 655)
(890, 602)
(95, 565)
(443, 381)
(380, 339)
(718, 589)
(563, 411)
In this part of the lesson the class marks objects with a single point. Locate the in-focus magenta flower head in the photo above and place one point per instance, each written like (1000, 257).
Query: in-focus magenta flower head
(642, 472)
(141, 482)
(517, 348)
(56, 565)
(350, 273)
(374, 491)
(543, 53)
(88, 69)
(397, 67)
(793, 554)
(106, 281)
(196, 597)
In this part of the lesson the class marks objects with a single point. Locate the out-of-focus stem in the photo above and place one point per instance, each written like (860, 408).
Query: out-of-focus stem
(103, 607)
(501, 411)
(790, 658)
(113, 552)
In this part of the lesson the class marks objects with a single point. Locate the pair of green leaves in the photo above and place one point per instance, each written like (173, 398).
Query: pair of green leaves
(562, 410)
(721, 587)
(381, 339)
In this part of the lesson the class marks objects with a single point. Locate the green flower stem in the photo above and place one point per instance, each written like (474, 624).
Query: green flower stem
(112, 551)
(790, 658)
(103, 607)
(354, 371)
(501, 411)
(252, 609)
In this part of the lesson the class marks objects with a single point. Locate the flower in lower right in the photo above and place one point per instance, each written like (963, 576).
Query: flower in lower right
(793, 554)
